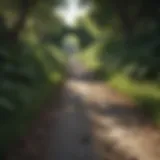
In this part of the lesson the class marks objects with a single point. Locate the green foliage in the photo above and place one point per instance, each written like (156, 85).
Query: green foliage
(142, 54)
(146, 94)
(25, 82)
(29, 68)
(130, 47)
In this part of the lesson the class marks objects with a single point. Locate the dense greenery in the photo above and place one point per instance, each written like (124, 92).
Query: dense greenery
(135, 36)
(127, 50)
(30, 69)
(27, 76)
(120, 40)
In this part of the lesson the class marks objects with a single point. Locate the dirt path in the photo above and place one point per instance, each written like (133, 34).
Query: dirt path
(61, 134)
(120, 130)
(94, 122)
(70, 139)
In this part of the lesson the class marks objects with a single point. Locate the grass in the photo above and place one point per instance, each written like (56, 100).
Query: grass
(145, 94)
(90, 55)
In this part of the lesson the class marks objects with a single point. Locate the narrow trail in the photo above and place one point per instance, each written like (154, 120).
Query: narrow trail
(92, 122)
(119, 129)
(71, 137)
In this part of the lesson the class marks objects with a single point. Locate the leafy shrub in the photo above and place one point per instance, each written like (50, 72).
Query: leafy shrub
(24, 84)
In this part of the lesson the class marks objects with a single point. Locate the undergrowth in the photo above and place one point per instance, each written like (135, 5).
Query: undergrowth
(27, 76)
(145, 93)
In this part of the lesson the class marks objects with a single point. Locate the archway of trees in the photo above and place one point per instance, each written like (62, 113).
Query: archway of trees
(117, 37)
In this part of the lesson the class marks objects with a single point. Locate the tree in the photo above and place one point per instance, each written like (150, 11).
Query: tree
(18, 12)
(135, 32)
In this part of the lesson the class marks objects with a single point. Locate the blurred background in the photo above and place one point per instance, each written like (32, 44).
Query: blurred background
(118, 40)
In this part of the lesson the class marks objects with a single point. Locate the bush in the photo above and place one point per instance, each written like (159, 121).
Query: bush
(25, 83)
(146, 94)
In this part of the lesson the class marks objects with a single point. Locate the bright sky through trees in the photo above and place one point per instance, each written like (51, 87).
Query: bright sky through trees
(71, 10)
